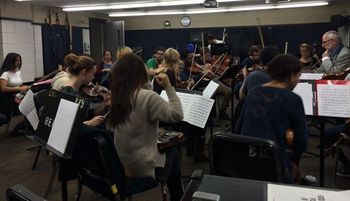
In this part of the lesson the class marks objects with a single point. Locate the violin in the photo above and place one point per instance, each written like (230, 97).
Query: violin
(95, 92)
(339, 76)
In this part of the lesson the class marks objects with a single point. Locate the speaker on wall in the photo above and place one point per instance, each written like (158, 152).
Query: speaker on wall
(339, 20)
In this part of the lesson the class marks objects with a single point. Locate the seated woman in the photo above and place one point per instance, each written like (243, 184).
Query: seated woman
(11, 83)
(134, 118)
(271, 109)
(103, 68)
(307, 60)
(82, 70)
(170, 65)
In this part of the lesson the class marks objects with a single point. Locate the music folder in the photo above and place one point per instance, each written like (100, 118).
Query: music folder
(60, 122)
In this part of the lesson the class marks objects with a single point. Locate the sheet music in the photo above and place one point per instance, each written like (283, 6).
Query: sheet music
(62, 125)
(333, 100)
(27, 108)
(304, 90)
(196, 108)
(199, 111)
(311, 76)
(210, 89)
(289, 193)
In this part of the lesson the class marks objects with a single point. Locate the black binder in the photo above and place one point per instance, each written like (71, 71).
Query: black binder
(21, 193)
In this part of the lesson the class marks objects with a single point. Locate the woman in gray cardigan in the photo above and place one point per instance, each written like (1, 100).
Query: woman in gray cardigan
(134, 119)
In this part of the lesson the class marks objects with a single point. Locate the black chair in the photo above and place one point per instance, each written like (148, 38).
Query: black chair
(20, 193)
(99, 168)
(245, 157)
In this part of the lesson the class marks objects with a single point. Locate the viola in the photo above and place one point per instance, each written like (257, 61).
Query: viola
(222, 65)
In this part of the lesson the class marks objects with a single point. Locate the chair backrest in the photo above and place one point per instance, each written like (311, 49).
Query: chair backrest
(101, 169)
(18, 192)
(246, 157)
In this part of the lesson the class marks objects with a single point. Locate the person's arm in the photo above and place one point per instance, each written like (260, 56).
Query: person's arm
(243, 90)
(6, 89)
(340, 63)
(159, 109)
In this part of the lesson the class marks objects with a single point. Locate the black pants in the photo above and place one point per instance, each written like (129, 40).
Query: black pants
(171, 174)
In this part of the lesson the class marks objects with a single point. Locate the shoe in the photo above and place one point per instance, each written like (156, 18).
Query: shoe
(343, 172)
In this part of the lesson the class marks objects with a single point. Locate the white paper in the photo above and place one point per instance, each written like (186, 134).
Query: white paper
(333, 100)
(196, 108)
(62, 125)
(210, 89)
(304, 90)
(289, 193)
(27, 108)
(311, 76)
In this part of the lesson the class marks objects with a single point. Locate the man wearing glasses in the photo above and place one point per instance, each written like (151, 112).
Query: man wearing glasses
(336, 58)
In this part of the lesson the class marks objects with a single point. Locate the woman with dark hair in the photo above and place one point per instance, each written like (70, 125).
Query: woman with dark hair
(81, 70)
(103, 68)
(11, 80)
(134, 118)
(271, 109)
(307, 60)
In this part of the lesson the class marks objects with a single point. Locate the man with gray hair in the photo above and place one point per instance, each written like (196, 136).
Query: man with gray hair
(336, 58)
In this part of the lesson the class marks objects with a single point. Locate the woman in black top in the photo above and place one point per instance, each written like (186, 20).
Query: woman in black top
(273, 108)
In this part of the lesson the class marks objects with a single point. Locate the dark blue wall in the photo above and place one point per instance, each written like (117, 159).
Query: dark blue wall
(241, 38)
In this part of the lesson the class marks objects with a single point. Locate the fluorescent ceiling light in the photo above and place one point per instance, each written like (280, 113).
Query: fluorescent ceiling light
(138, 5)
(220, 10)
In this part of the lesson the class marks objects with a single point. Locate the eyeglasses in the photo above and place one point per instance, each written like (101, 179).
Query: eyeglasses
(324, 42)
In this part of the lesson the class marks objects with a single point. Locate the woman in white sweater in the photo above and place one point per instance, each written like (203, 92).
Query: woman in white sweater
(134, 118)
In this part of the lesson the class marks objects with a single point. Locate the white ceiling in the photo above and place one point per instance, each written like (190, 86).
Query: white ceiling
(70, 3)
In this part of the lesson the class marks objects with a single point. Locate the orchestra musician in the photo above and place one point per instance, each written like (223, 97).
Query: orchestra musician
(252, 60)
(259, 77)
(170, 66)
(11, 83)
(82, 70)
(307, 59)
(134, 119)
(336, 57)
(155, 62)
(103, 68)
(271, 109)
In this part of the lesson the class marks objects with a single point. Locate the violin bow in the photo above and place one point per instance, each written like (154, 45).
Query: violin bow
(204, 74)
(260, 33)
(202, 37)
(221, 61)
(194, 51)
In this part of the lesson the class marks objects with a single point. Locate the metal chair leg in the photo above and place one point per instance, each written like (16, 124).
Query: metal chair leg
(52, 178)
(80, 187)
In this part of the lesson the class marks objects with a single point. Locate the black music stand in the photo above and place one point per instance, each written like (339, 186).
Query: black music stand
(46, 133)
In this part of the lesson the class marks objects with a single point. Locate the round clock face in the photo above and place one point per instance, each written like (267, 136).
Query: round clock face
(185, 21)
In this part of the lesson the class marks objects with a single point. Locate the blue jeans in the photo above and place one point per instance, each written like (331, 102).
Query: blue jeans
(332, 134)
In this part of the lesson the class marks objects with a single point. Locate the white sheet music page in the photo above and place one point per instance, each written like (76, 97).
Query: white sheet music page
(311, 76)
(304, 90)
(333, 100)
(62, 125)
(210, 89)
(27, 108)
(196, 108)
(199, 111)
(289, 193)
